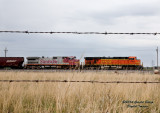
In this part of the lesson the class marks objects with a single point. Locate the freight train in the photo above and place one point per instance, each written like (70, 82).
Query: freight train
(70, 62)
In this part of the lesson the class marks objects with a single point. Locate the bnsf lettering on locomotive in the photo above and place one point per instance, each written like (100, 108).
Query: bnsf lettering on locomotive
(9, 61)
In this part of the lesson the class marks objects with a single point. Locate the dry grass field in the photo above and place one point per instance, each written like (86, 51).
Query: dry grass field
(24, 97)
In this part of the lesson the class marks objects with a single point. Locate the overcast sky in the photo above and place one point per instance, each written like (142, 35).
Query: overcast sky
(81, 15)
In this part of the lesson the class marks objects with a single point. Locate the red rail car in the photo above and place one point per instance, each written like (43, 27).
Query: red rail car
(11, 62)
(112, 62)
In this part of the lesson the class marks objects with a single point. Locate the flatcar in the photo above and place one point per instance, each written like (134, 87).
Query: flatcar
(55, 62)
(11, 62)
(130, 63)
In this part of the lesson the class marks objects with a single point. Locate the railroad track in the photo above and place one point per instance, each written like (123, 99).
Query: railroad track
(61, 70)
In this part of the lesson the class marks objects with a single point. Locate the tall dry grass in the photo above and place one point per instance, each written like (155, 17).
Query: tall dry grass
(79, 97)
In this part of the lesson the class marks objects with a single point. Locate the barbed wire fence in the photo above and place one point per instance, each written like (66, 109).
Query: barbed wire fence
(66, 81)
(103, 33)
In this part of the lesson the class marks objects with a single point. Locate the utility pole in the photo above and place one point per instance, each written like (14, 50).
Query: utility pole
(152, 64)
(157, 57)
(5, 51)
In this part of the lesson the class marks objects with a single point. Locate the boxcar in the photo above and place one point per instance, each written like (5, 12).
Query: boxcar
(11, 62)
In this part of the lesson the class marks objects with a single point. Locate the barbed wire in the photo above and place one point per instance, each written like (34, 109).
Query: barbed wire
(104, 33)
(66, 81)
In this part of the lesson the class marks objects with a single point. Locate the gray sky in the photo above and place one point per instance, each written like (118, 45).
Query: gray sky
(80, 15)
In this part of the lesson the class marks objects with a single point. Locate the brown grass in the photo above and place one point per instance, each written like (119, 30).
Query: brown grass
(79, 97)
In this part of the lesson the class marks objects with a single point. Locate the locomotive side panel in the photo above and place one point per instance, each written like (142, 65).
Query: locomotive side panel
(58, 61)
(62, 62)
(118, 62)
(114, 62)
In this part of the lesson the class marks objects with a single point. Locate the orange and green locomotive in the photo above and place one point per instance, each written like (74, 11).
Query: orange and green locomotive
(130, 63)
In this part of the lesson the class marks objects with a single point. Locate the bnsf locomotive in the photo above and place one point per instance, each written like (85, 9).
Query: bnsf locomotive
(70, 62)
(112, 63)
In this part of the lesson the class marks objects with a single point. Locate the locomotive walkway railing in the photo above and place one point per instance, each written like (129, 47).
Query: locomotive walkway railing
(66, 81)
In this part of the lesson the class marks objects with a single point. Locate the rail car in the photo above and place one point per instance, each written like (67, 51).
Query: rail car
(56, 62)
(11, 62)
(129, 63)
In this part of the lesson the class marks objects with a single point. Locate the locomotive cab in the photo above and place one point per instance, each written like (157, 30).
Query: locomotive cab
(134, 61)
(132, 58)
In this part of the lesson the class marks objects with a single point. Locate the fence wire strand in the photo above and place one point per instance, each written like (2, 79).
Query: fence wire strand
(103, 33)
(103, 82)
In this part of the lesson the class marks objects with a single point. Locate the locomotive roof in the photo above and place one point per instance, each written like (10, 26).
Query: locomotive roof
(90, 58)
(51, 57)
(2, 58)
(33, 57)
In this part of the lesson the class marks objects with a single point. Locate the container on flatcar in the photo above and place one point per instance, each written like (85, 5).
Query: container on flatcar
(11, 62)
